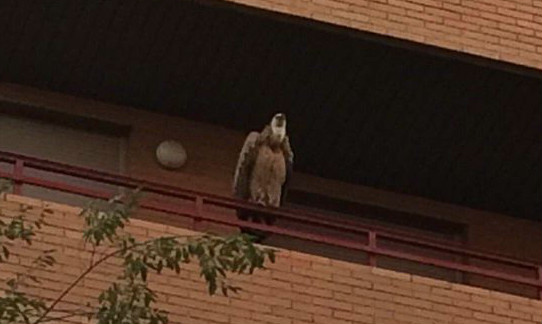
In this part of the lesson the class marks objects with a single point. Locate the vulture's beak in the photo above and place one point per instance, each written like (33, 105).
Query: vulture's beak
(280, 118)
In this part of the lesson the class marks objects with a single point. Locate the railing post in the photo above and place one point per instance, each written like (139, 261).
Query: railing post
(18, 176)
(372, 247)
(199, 210)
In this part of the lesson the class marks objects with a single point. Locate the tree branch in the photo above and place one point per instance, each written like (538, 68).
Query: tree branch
(92, 267)
(59, 318)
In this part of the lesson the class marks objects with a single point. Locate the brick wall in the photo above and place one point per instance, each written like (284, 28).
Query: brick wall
(508, 30)
(298, 289)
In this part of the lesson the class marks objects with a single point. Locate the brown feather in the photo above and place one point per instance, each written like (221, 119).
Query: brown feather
(268, 176)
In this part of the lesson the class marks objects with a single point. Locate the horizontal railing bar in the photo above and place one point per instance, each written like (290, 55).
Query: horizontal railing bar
(458, 266)
(62, 187)
(460, 250)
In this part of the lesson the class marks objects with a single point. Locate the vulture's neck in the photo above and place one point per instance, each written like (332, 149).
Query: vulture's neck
(279, 132)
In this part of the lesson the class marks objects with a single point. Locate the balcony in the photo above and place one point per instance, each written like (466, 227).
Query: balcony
(202, 211)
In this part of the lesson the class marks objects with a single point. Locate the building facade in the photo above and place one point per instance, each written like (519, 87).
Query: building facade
(416, 121)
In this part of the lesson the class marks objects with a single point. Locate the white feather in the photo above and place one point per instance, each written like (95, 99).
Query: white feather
(280, 131)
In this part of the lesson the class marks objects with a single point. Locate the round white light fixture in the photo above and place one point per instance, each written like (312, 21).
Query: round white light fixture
(171, 154)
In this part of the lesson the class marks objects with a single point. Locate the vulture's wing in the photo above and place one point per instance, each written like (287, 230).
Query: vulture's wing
(289, 159)
(245, 164)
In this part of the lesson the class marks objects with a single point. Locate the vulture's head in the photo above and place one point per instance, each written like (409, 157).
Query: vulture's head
(278, 125)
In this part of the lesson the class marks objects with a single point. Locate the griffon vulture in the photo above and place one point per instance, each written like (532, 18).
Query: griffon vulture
(263, 169)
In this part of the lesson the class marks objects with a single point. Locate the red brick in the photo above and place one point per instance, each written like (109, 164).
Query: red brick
(529, 8)
(331, 285)
(293, 296)
(492, 318)
(370, 277)
(530, 25)
(308, 258)
(385, 24)
(290, 277)
(460, 9)
(329, 320)
(430, 3)
(531, 40)
(62, 208)
(391, 274)
(392, 289)
(22, 200)
(512, 313)
(453, 310)
(251, 306)
(448, 30)
(431, 282)
(443, 13)
(527, 309)
(424, 17)
(519, 321)
(407, 318)
(331, 4)
(274, 283)
(350, 15)
(502, 50)
(417, 303)
(368, 310)
(330, 269)
(481, 36)
(439, 317)
(293, 314)
(312, 309)
(450, 293)
(351, 281)
(406, 5)
(499, 18)
(519, 45)
(479, 6)
(313, 291)
(411, 286)
(331, 303)
(358, 318)
(472, 305)
(312, 273)
(501, 3)
(499, 33)
(387, 9)
(356, 300)
(271, 318)
(204, 296)
(271, 300)
(411, 21)
(480, 21)
(515, 14)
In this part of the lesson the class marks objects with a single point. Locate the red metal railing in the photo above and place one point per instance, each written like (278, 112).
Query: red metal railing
(200, 209)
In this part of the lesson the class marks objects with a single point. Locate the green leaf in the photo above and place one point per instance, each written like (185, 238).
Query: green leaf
(271, 255)
(143, 273)
(5, 251)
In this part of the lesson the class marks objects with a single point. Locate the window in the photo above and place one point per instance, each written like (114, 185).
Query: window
(41, 133)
